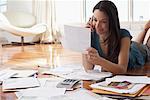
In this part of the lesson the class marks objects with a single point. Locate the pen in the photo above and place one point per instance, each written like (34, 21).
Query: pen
(35, 75)
(1, 82)
(38, 66)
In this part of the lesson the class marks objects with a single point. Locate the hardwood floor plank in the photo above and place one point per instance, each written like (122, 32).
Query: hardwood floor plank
(39, 54)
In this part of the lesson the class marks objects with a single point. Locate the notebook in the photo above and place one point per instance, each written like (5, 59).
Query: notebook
(121, 85)
(6, 73)
(131, 90)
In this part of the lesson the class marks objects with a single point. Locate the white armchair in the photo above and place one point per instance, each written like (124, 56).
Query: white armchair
(21, 24)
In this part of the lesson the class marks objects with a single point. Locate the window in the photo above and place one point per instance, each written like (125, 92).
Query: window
(129, 10)
(3, 5)
(122, 6)
(68, 11)
(89, 7)
(141, 10)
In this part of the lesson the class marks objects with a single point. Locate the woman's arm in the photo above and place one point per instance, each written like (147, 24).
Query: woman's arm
(94, 59)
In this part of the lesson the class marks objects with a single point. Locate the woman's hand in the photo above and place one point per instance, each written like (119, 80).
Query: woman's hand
(90, 24)
(86, 64)
(93, 56)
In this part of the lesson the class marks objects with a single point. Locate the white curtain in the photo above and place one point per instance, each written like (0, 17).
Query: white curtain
(44, 10)
(56, 12)
(70, 11)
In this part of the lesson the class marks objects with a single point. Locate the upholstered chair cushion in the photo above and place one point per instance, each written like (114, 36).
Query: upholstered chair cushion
(20, 19)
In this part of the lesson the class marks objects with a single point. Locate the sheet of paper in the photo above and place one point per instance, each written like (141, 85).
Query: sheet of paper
(76, 38)
(64, 70)
(17, 83)
(49, 82)
(82, 75)
(34, 98)
(42, 92)
(132, 79)
(6, 73)
(80, 94)
(76, 71)
(24, 73)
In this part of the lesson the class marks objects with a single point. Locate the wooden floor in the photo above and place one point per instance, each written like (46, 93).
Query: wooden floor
(31, 56)
(52, 55)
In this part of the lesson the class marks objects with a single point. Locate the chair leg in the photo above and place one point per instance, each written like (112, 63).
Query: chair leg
(22, 40)
(22, 43)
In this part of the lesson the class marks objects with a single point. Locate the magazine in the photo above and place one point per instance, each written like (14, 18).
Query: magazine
(119, 87)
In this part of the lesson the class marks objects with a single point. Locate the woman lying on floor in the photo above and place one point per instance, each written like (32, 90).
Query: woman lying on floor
(111, 46)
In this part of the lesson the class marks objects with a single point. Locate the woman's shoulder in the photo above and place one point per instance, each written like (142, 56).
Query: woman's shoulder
(125, 33)
(124, 30)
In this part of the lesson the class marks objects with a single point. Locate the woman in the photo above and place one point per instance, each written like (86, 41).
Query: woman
(111, 47)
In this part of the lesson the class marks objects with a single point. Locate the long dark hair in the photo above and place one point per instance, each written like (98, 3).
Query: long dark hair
(113, 38)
